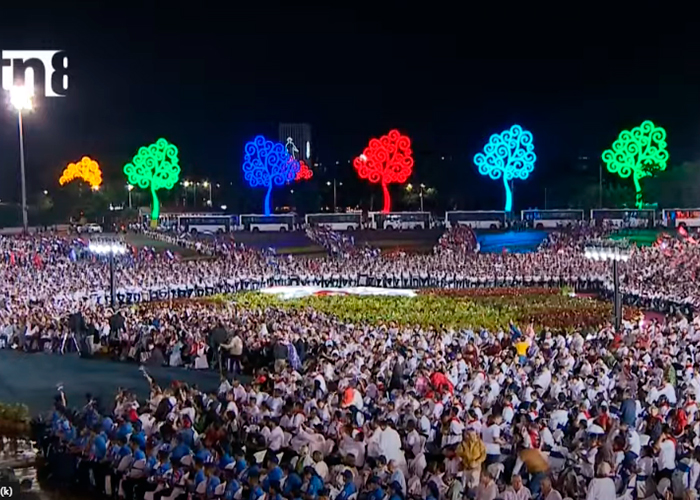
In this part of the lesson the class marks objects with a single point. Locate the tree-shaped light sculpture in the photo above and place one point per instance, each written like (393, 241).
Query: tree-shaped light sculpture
(387, 160)
(86, 169)
(154, 167)
(639, 153)
(508, 155)
(304, 173)
(268, 164)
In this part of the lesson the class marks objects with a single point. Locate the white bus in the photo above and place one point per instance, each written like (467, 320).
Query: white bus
(207, 223)
(675, 217)
(624, 217)
(350, 221)
(274, 222)
(400, 220)
(476, 219)
(550, 219)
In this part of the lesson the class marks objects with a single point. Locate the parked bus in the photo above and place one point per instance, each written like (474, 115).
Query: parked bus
(207, 223)
(476, 219)
(275, 222)
(550, 219)
(350, 221)
(400, 220)
(675, 217)
(624, 217)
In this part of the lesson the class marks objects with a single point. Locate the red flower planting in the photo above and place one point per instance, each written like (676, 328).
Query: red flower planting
(387, 160)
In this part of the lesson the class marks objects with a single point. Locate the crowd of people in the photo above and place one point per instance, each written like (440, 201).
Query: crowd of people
(365, 411)
(352, 411)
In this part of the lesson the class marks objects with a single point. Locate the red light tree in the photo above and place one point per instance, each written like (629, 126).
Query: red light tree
(387, 160)
(304, 173)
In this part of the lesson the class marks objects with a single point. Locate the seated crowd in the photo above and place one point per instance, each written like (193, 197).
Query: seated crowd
(366, 411)
(375, 412)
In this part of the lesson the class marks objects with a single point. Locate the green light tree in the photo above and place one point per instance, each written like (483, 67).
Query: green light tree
(154, 167)
(640, 152)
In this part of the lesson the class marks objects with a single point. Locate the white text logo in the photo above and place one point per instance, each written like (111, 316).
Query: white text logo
(44, 71)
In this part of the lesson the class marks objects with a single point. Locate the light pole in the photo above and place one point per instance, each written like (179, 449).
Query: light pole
(615, 253)
(129, 188)
(207, 184)
(21, 100)
(110, 249)
(335, 193)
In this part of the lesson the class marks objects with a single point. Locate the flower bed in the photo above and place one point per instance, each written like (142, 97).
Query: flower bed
(456, 310)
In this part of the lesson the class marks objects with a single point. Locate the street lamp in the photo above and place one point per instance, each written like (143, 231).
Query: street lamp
(335, 193)
(615, 253)
(110, 249)
(129, 188)
(207, 184)
(21, 100)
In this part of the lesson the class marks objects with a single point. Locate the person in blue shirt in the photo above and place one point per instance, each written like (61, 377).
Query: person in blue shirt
(433, 491)
(293, 481)
(375, 490)
(187, 433)
(395, 492)
(256, 490)
(124, 430)
(241, 463)
(274, 491)
(180, 450)
(349, 487)
(213, 480)
(314, 483)
(274, 473)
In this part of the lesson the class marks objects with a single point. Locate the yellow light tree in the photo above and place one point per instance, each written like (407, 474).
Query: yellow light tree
(86, 169)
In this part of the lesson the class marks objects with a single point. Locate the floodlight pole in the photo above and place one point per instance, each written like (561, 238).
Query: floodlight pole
(112, 293)
(25, 218)
(617, 296)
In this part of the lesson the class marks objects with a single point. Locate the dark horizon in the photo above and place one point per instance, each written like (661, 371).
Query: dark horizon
(210, 83)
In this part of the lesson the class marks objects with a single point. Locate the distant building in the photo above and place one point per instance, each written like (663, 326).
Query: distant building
(300, 134)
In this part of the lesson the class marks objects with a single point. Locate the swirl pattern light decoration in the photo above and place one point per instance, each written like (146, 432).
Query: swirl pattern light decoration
(304, 173)
(154, 167)
(86, 169)
(509, 155)
(387, 160)
(639, 153)
(268, 164)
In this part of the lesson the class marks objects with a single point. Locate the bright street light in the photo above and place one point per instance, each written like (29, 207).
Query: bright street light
(21, 100)
(615, 252)
(46, 193)
(129, 188)
(110, 249)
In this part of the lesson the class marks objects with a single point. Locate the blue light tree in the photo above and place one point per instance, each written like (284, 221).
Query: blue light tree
(268, 164)
(508, 155)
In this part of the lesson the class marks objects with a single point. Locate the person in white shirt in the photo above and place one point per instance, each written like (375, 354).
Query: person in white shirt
(666, 449)
(516, 490)
(602, 487)
(491, 436)
(275, 440)
(549, 493)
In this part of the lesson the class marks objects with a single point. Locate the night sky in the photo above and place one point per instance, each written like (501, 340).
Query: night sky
(209, 79)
